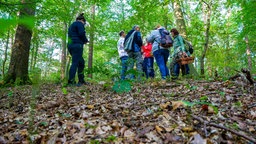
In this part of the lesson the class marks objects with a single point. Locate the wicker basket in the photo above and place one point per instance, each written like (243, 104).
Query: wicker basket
(186, 60)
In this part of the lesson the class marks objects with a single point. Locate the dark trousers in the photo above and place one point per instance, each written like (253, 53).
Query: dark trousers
(184, 69)
(161, 57)
(148, 67)
(76, 51)
(124, 66)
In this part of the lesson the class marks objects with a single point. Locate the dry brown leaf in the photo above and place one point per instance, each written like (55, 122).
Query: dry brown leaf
(158, 129)
(187, 129)
(164, 105)
(129, 134)
(251, 129)
(90, 106)
(176, 104)
(210, 110)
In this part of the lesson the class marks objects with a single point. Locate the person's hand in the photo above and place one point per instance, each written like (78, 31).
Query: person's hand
(184, 54)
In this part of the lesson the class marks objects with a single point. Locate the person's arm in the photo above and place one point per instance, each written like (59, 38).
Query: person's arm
(81, 33)
(151, 38)
(139, 39)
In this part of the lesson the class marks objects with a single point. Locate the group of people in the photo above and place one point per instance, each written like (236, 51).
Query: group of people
(143, 55)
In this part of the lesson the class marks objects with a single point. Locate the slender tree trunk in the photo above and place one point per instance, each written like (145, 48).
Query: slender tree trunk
(18, 67)
(90, 58)
(32, 56)
(207, 29)
(35, 54)
(64, 51)
(5, 53)
(248, 52)
(180, 22)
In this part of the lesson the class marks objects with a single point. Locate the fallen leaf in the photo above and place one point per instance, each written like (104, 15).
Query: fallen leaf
(198, 140)
(153, 137)
(251, 129)
(171, 138)
(158, 129)
(176, 104)
(90, 106)
(164, 105)
(210, 110)
(129, 134)
(187, 129)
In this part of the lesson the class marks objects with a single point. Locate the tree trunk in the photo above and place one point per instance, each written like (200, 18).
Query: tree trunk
(180, 22)
(18, 67)
(64, 51)
(5, 53)
(90, 58)
(248, 52)
(207, 29)
(34, 51)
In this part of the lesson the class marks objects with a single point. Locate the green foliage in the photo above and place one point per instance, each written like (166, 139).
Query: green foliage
(122, 86)
(64, 91)
(94, 142)
(203, 98)
(191, 104)
(111, 138)
(87, 125)
(238, 104)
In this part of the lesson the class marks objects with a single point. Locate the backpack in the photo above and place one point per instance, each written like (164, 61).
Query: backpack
(165, 39)
(188, 46)
(128, 42)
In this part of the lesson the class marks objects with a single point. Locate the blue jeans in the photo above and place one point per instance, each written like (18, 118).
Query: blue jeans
(76, 51)
(124, 66)
(177, 67)
(148, 67)
(134, 57)
(161, 56)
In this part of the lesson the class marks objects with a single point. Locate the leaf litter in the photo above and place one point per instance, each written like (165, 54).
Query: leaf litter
(195, 112)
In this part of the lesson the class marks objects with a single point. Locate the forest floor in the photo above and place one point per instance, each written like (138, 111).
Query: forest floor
(182, 111)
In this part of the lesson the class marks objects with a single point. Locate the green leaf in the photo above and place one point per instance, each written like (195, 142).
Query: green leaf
(204, 98)
(111, 138)
(122, 86)
(187, 103)
(43, 123)
(64, 91)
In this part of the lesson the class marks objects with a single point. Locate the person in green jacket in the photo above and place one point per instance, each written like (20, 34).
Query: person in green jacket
(179, 51)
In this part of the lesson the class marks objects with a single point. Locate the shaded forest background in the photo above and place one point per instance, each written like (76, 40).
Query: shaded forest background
(222, 32)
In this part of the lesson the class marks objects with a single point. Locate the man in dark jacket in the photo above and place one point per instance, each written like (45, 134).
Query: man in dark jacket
(76, 40)
(135, 53)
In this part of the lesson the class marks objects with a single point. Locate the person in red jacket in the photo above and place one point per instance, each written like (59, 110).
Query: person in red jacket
(148, 63)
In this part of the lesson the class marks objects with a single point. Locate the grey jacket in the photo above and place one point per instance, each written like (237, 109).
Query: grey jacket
(154, 38)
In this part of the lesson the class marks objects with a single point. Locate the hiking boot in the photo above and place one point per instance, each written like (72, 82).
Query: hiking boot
(82, 83)
(71, 83)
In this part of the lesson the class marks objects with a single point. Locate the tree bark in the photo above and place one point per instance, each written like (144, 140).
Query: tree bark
(91, 35)
(64, 51)
(248, 53)
(207, 29)
(180, 22)
(5, 53)
(18, 67)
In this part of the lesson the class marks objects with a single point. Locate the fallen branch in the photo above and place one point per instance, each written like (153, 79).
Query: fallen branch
(223, 127)
(245, 75)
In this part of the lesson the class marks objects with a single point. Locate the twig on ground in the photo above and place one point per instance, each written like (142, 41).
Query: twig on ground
(223, 127)
(252, 105)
